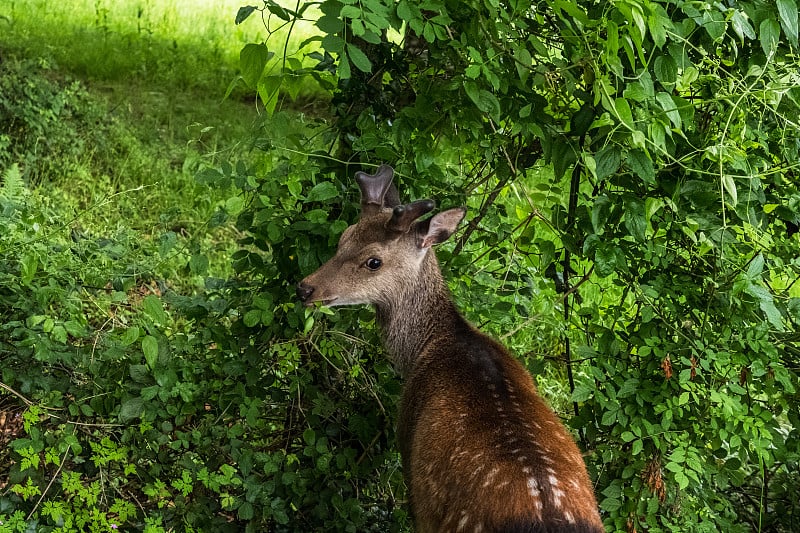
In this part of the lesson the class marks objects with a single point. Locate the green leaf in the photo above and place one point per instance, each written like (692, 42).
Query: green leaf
(741, 25)
(635, 221)
(252, 61)
(359, 58)
(670, 108)
(665, 69)
(641, 165)
(154, 308)
(330, 25)
(130, 336)
(130, 409)
(624, 111)
(483, 100)
(608, 161)
(252, 318)
(150, 350)
(787, 13)
(243, 13)
(769, 34)
(322, 191)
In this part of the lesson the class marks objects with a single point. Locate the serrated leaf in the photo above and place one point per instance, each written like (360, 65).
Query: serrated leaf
(787, 13)
(329, 24)
(608, 161)
(359, 58)
(635, 221)
(252, 317)
(641, 165)
(150, 350)
(130, 409)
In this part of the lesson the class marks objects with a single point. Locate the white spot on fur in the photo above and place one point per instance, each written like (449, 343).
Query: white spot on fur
(463, 522)
(557, 495)
(551, 478)
(569, 517)
(533, 487)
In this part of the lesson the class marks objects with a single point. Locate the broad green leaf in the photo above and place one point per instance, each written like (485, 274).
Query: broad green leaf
(635, 221)
(755, 268)
(641, 165)
(665, 69)
(150, 350)
(131, 408)
(624, 111)
(322, 191)
(787, 12)
(130, 336)
(252, 61)
(330, 24)
(483, 100)
(608, 161)
(359, 58)
(741, 25)
(268, 92)
(154, 308)
(243, 13)
(769, 34)
(669, 107)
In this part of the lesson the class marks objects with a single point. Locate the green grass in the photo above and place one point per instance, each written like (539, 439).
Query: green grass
(119, 148)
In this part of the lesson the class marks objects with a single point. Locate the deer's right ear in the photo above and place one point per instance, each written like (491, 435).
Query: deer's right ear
(439, 227)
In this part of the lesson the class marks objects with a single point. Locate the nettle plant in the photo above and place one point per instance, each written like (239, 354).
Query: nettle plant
(635, 165)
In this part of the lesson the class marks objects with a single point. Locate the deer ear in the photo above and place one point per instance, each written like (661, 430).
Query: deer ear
(439, 227)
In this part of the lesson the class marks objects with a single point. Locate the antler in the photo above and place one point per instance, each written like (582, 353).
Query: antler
(377, 190)
(405, 215)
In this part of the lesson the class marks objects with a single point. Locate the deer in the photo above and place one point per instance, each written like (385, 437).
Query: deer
(480, 450)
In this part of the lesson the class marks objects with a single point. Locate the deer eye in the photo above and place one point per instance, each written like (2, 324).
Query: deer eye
(373, 263)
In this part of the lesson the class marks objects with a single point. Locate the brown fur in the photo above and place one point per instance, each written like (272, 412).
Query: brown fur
(481, 451)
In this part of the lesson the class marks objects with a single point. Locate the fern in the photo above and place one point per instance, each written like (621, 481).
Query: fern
(12, 187)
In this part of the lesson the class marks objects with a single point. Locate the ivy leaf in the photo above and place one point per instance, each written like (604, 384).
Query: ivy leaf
(787, 12)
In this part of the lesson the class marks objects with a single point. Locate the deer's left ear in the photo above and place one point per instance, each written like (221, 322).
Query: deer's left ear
(439, 227)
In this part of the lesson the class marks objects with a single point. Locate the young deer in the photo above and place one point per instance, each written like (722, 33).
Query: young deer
(481, 451)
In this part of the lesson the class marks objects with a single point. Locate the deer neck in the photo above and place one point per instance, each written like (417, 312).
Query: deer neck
(420, 312)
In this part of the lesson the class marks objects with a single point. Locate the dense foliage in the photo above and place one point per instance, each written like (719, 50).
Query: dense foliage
(638, 157)
(630, 171)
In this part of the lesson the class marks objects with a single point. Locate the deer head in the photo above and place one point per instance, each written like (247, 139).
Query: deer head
(384, 252)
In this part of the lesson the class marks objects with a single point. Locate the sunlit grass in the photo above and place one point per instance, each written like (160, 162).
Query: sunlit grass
(191, 44)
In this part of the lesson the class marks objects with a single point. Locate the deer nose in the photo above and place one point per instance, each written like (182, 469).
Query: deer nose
(304, 291)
